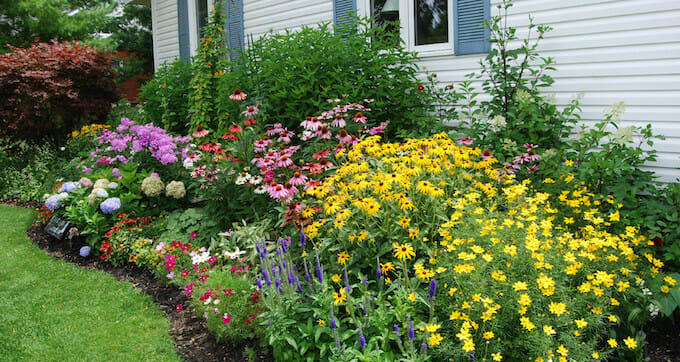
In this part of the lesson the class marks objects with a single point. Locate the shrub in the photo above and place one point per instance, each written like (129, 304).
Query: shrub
(164, 98)
(292, 74)
(50, 89)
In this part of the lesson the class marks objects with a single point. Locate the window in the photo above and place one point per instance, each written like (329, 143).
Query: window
(436, 27)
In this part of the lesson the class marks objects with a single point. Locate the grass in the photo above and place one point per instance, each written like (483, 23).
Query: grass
(54, 311)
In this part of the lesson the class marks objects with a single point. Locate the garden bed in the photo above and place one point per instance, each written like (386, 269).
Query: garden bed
(195, 342)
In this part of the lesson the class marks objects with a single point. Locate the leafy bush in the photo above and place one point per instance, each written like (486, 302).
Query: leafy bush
(292, 74)
(164, 98)
(50, 89)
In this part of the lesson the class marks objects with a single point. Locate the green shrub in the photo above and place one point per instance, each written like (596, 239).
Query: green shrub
(293, 74)
(164, 98)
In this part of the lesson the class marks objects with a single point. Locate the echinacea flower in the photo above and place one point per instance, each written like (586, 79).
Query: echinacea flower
(200, 132)
(238, 95)
(251, 111)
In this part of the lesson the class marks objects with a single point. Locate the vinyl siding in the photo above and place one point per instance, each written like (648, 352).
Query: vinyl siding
(165, 31)
(261, 16)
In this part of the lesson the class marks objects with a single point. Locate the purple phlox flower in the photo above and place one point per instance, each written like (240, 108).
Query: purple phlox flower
(155, 174)
(433, 289)
(110, 205)
(116, 173)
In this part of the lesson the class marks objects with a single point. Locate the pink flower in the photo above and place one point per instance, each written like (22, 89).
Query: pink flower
(249, 121)
(321, 154)
(277, 191)
(285, 136)
(339, 121)
(185, 273)
(226, 318)
(179, 307)
(228, 292)
(465, 141)
(193, 234)
(359, 118)
(344, 137)
(238, 95)
(298, 179)
(235, 128)
(251, 111)
(200, 132)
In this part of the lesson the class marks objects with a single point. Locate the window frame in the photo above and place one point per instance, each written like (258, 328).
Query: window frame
(194, 31)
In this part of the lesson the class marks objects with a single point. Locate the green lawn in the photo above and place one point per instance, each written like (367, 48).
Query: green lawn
(54, 311)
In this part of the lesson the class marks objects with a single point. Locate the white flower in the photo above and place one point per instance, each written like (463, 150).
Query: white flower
(255, 179)
(235, 254)
(243, 178)
(113, 185)
(101, 193)
(200, 258)
(207, 301)
(653, 310)
(497, 123)
(260, 190)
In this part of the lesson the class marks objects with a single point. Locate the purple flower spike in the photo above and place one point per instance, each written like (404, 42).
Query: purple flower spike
(303, 238)
(433, 289)
(396, 331)
(307, 278)
(424, 347)
(411, 331)
(334, 325)
(259, 283)
(378, 271)
(362, 339)
(348, 288)
(319, 271)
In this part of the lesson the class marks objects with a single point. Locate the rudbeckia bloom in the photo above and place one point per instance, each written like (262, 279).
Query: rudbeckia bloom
(403, 251)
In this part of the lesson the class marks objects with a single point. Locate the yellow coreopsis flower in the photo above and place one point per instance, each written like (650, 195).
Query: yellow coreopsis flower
(612, 343)
(435, 339)
(630, 342)
(557, 308)
(549, 330)
(488, 335)
(497, 356)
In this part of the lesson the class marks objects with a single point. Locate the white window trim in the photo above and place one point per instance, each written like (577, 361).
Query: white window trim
(194, 41)
(408, 31)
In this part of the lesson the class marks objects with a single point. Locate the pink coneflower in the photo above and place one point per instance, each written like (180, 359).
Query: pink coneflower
(378, 129)
(238, 95)
(249, 121)
(261, 145)
(324, 132)
(333, 100)
(339, 121)
(529, 146)
(251, 111)
(359, 118)
(277, 191)
(290, 191)
(235, 128)
(285, 136)
(465, 141)
(284, 161)
(200, 132)
(344, 137)
(486, 155)
(230, 137)
(298, 179)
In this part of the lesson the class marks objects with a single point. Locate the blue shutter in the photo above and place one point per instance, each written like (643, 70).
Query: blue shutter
(183, 28)
(341, 9)
(469, 33)
(235, 32)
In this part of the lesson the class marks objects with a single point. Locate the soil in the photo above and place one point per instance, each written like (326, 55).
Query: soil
(195, 342)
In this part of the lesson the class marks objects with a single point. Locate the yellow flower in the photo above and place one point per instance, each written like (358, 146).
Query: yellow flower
(612, 343)
(342, 258)
(557, 308)
(403, 251)
(595, 355)
(321, 322)
(497, 356)
(435, 339)
(488, 335)
(665, 289)
(669, 280)
(432, 327)
(549, 330)
(580, 323)
(562, 350)
(519, 286)
(404, 222)
(630, 342)
(413, 233)
(336, 278)
(412, 297)
(526, 323)
(386, 267)
(339, 297)
(612, 318)
(569, 163)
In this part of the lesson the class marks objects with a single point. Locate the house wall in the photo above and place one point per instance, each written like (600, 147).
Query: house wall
(261, 16)
(165, 31)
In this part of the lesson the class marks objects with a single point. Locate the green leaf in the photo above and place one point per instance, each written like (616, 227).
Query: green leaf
(292, 342)
(667, 305)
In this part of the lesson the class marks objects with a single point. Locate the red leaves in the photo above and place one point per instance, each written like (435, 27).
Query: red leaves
(49, 88)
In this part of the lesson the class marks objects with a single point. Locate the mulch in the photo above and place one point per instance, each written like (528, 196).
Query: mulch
(195, 342)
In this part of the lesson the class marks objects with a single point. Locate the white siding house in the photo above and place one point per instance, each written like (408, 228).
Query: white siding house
(612, 50)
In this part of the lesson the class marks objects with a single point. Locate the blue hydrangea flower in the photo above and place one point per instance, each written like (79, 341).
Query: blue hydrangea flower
(110, 205)
(54, 201)
(85, 251)
(69, 186)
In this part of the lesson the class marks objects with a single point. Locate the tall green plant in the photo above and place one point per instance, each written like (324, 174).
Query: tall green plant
(294, 73)
(516, 112)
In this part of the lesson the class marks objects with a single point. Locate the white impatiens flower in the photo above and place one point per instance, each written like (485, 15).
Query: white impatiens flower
(235, 254)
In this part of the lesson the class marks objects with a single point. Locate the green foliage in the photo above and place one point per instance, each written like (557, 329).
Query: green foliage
(293, 74)
(23, 22)
(165, 99)
(516, 113)
(131, 31)
(183, 223)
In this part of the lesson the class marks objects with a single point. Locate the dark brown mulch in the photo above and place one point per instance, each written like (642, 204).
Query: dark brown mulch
(193, 340)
